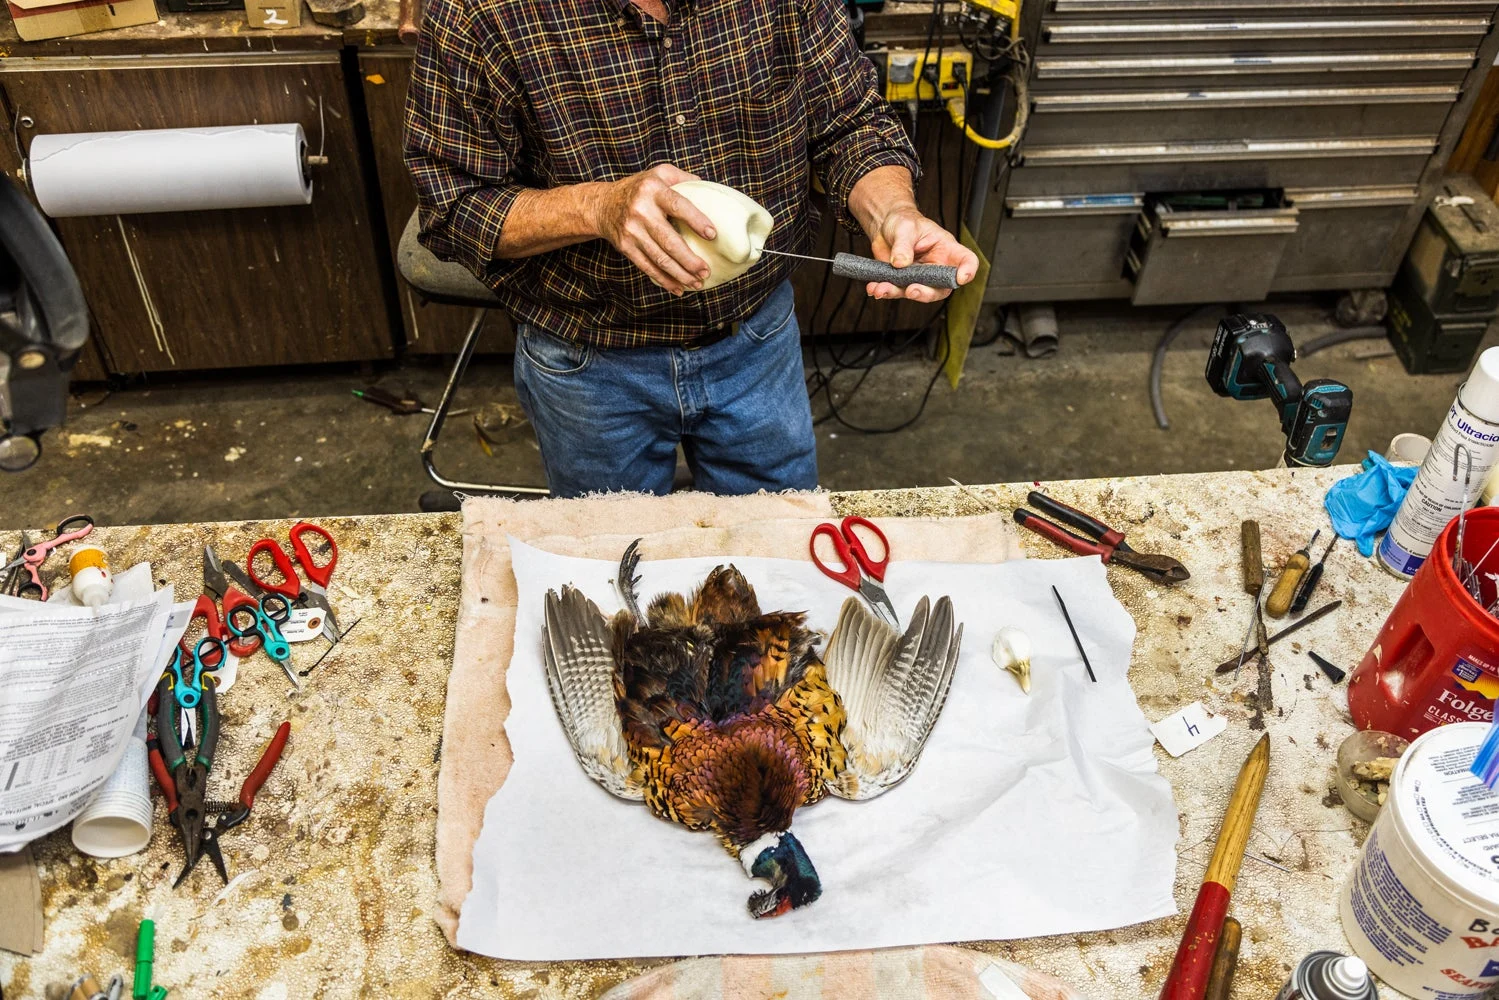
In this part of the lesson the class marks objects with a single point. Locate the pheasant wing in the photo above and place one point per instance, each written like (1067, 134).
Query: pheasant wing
(893, 687)
(580, 675)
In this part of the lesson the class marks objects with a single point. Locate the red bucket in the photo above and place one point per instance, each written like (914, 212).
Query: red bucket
(1437, 658)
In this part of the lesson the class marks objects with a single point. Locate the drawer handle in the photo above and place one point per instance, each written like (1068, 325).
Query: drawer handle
(1239, 65)
(1215, 6)
(1229, 225)
(1253, 149)
(1075, 205)
(1190, 31)
(1269, 97)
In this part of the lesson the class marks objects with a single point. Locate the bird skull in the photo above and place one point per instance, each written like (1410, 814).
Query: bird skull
(1012, 651)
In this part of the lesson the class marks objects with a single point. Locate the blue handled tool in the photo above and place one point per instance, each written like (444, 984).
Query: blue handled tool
(265, 618)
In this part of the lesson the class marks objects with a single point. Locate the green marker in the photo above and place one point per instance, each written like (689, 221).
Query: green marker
(145, 956)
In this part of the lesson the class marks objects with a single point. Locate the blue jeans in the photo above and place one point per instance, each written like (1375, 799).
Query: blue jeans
(612, 419)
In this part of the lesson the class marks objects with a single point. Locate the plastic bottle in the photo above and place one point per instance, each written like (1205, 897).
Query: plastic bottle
(1327, 975)
(92, 582)
(1434, 499)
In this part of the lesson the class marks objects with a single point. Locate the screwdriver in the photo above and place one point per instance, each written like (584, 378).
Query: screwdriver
(1285, 587)
(851, 265)
(1309, 582)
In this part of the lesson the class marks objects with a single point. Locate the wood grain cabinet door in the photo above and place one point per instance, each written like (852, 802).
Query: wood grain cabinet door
(219, 289)
(431, 328)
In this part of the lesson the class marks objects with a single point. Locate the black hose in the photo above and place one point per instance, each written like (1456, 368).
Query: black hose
(1340, 337)
(1158, 362)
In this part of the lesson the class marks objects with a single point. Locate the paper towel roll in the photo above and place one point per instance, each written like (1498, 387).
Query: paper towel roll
(118, 821)
(169, 170)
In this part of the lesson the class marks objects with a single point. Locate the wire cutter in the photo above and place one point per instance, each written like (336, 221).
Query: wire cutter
(31, 558)
(1109, 544)
(184, 779)
(233, 814)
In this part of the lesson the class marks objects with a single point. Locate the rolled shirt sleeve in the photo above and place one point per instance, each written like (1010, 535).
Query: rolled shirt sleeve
(461, 141)
(852, 127)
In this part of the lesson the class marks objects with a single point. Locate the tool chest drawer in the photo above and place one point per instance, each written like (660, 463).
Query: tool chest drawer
(1077, 244)
(1261, 35)
(1116, 9)
(1192, 71)
(1121, 116)
(1219, 164)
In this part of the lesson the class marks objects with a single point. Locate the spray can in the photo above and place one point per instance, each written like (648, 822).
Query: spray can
(1327, 975)
(1472, 426)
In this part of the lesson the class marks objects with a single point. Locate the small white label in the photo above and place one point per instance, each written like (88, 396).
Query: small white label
(303, 625)
(1188, 729)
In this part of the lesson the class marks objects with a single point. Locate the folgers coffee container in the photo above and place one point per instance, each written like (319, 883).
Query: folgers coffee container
(1326, 975)
(1422, 907)
(1436, 660)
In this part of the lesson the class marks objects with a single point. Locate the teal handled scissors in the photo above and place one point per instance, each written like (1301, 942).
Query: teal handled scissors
(265, 618)
(187, 670)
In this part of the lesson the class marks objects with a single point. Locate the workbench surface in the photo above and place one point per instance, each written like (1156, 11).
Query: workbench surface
(333, 877)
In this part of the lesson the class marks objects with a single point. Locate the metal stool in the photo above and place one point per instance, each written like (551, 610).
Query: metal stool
(451, 284)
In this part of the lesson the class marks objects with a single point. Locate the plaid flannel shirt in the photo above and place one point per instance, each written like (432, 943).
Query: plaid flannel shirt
(756, 94)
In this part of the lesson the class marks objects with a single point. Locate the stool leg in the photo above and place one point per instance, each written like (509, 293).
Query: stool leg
(465, 354)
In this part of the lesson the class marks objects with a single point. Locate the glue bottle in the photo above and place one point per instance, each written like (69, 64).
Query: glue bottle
(92, 583)
(1327, 975)
(1472, 426)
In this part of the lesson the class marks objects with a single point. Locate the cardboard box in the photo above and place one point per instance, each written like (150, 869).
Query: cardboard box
(38, 19)
(273, 13)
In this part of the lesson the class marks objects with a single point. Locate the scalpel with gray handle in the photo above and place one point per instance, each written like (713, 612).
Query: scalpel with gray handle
(851, 265)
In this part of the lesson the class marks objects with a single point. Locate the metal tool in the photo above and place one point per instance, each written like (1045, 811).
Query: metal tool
(13, 577)
(31, 558)
(265, 618)
(851, 265)
(233, 814)
(860, 572)
(1075, 640)
(1252, 565)
(1232, 663)
(1110, 544)
(1280, 598)
(290, 585)
(1251, 359)
(184, 779)
(1254, 638)
(1309, 582)
(403, 405)
(217, 585)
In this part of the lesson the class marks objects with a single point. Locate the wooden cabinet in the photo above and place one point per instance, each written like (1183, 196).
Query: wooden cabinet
(430, 328)
(219, 289)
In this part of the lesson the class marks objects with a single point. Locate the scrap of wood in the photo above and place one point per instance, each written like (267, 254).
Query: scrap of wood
(336, 13)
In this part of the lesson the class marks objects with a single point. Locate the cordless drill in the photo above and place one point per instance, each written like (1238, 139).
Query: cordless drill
(1251, 359)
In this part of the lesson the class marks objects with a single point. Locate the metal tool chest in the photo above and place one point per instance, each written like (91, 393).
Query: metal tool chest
(1343, 111)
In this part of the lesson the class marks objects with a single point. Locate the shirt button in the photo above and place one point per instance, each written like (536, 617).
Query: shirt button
(681, 119)
(666, 42)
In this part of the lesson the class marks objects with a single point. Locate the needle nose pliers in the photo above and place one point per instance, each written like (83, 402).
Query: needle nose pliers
(1105, 541)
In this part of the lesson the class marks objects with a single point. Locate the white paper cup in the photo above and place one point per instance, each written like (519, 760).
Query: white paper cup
(118, 820)
(1408, 449)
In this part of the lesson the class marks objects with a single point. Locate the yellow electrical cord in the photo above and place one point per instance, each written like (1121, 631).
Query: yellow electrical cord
(957, 107)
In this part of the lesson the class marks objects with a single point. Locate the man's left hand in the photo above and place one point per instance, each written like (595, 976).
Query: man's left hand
(904, 237)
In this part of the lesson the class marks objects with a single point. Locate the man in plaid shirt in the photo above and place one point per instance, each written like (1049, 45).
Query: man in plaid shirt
(544, 137)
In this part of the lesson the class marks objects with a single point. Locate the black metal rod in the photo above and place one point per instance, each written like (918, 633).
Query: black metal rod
(1076, 641)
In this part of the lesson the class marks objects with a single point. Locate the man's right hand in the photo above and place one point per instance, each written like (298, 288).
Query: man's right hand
(635, 216)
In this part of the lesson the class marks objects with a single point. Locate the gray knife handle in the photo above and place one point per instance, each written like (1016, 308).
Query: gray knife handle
(849, 265)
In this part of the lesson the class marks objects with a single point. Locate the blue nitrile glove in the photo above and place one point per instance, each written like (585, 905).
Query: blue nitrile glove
(1363, 505)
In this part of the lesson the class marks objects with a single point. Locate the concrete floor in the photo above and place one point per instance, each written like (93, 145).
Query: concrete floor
(237, 447)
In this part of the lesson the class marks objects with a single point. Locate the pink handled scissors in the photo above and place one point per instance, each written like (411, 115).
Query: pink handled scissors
(859, 572)
(31, 559)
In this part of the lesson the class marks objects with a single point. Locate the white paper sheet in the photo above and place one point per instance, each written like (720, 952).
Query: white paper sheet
(1027, 815)
(73, 681)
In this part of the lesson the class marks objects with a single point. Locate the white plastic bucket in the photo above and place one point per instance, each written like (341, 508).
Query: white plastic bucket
(1422, 907)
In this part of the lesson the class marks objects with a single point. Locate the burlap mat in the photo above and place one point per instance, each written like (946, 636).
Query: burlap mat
(475, 753)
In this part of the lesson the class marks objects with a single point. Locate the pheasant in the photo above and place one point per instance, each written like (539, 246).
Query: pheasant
(723, 718)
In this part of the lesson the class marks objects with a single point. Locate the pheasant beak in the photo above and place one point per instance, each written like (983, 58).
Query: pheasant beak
(779, 859)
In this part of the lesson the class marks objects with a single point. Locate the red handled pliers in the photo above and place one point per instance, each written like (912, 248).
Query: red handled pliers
(1105, 541)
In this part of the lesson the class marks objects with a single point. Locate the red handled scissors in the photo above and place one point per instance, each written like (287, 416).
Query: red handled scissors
(31, 559)
(859, 571)
(290, 586)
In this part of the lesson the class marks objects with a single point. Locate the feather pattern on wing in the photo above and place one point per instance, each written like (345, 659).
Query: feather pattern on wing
(893, 687)
(580, 667)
